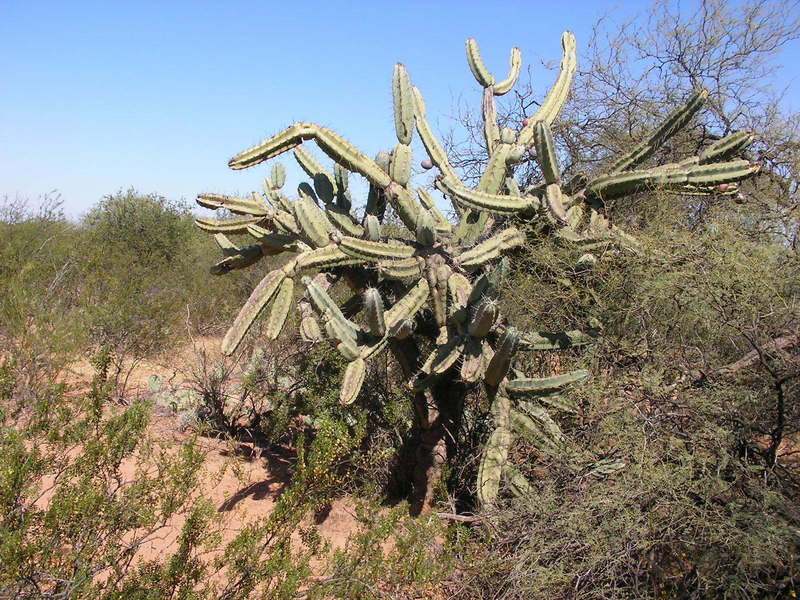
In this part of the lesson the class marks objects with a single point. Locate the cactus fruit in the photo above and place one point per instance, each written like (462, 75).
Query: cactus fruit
(436, 285)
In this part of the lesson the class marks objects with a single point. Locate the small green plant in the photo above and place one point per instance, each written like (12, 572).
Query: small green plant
(439, 280)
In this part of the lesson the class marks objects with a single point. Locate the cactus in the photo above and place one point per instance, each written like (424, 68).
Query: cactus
(453, 269)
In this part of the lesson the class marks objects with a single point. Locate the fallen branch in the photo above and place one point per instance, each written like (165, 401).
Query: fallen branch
(751, 359)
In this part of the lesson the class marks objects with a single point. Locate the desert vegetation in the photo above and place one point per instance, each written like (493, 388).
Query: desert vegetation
(559, 359)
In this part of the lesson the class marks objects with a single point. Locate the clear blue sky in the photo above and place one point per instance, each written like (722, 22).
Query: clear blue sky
(102, 96)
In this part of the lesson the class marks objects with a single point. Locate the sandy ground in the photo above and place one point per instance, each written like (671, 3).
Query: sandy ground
(243, 481)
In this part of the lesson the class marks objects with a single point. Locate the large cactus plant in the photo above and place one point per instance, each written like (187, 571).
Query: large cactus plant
(428, 292)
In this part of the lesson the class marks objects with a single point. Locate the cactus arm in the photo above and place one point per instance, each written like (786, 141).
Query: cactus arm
(407, 306)
(501, 360)
(342, 220)
(403, 102)
(238, 260)
(545, 385)
(237, 225)
(546, 152)
(607, 187)
(281, 304)
(726, 147)
(225, 244)
(313, 223)
(435, 151)
(477, 66)
(352, 381)
(373, 251)
(258, 299)
(373, 310)
(674, 122)
(491, 248)
(310, 165)
(514, 67)
(558, 94)
(332, 144)
(240, 206)
(491, 131)
(557, 341)
(483, 202)
(324, 258)
(495, 452)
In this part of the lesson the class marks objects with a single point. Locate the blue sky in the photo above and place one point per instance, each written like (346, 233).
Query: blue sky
(102, 96)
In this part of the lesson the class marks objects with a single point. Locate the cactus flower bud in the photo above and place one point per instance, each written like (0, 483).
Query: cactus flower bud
(426, 164)
(723, 187)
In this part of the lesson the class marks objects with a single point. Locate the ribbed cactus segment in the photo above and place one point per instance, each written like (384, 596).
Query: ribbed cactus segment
(498, 367)
(490, 470)
(556, 341)
(555, 203)
(491, 203)
(304, 190)
(476, 65)
(403, 329)
(546, 152)
(542, 418)
(533, 431)
(491, 131)
(726, 147)
(442, 224)
(325, 258)
(352, 381)
(400, 269)
(236, 225)
(492, 248)
(432, 146)
(313, 223)
(426, 228)
(307, 162)
(372, 228)
(240, 206)
(324, 188)
(483, 318)
(558, 94)
(261, 295)
(342, 220)
(326, 306)
(332, 144)
(280, 309)
(608, 187)
(278, 175)
(310, 330)
(409, 305)
(341, 178)
(446, 356)
(374, 251)
(275, 242)
(404, 205)
(545, 385)
(225, 244)
(514, 66)
(403, 100)
(472, 364)
(517, 483)
(238, 259)
(376, 203)
(400, 165)
(674, 122)
(285, 221)
(373, 312)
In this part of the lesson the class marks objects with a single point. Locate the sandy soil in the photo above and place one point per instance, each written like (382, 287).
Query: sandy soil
(242, 480)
